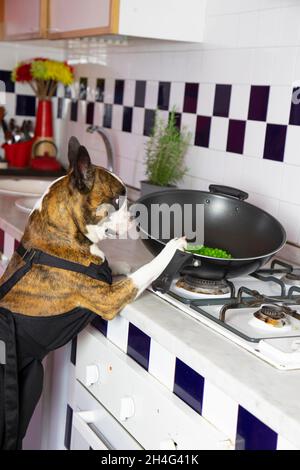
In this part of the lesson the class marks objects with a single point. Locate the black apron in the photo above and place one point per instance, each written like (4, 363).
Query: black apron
(27, 340)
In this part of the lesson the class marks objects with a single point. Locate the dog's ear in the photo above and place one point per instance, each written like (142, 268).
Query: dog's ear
(73, 148)
(83, 174)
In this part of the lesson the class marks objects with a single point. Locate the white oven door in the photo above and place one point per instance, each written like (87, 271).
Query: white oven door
(94, 428)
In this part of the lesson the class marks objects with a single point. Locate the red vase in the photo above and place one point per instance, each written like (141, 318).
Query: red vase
(44, 150)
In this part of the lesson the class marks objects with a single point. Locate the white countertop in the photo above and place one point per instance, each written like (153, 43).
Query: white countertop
(252, 383)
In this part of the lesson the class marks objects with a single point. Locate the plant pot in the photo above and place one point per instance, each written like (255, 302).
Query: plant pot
(148, 188)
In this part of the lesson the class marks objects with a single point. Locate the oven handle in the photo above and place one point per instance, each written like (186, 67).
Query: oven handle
(81, 421)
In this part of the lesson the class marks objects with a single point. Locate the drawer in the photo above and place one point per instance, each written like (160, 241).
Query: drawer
(153, 415)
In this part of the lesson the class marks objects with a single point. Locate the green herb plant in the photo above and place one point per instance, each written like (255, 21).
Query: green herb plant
(165, 151)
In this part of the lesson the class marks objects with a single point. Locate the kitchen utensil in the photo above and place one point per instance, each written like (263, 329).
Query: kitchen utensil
(250, 234)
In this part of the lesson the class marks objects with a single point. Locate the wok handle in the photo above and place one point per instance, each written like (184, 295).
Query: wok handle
(163, 282)
(228, 191)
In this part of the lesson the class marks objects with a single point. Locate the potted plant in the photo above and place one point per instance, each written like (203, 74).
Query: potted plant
(165, 152)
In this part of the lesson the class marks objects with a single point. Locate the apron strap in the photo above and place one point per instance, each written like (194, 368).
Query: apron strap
(100, 272)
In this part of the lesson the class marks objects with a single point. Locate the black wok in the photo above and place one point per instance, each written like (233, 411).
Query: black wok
(249, 234)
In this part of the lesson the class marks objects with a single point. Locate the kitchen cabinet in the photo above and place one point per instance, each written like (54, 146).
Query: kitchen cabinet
(167, 19)
(24, 20)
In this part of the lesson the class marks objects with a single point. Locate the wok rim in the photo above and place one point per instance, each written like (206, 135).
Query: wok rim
(222, 196)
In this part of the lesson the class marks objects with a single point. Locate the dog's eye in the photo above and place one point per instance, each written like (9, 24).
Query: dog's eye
(115, 202)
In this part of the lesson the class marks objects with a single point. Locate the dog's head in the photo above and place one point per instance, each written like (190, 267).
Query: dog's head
(98, 197)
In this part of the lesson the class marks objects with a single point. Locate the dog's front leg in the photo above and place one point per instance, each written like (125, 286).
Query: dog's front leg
(144, 276)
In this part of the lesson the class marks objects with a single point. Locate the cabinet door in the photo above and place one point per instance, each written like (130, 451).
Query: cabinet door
(25, 20)
(75, 18)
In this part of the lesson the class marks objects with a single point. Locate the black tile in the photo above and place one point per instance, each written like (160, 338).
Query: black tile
(149, 121)
(190, 97)
(5, 76)
(222, 100)
(107, 117)
(177, 119)
(90, 113)
(1, 240)
(138, 346)
(253, 434)
(68, 427)
(189, 385)
(127, 119)
(202, 131)
(295, 107)
(100, 88)
(275, 142)
(16, 244)
(68, 92)
(100, 324)
(164, 95)
(83, 84)
(236, 136)
(26, 105)
(73, 351)
(74, 110)
(258, 104)
(60, 108)
(119, 92)
(140, 93)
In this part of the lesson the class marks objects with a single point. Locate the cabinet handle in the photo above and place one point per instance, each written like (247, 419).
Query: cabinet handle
(91, 375)
(127, 408)
(81, 421)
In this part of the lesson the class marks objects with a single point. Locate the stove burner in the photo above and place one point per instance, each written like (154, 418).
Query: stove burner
(203, 286)
(272, 315)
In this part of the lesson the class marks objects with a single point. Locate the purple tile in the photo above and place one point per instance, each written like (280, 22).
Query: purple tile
(138, 346)
(107, 118)
(1, 240)
(127, 119)
(189, 385)
(236, 136)
(275, 142)
(68, 427)
(60, 107)
(164, 95)
(295, 107)
(140, 93)
(222, 100)
(74, 110)
(258, 104)
(149, 121)
(253, 434)
(100, 324)
(119, 91)
(90, 113)
(83, 84)
(73, 351)
(16, 244)
(191, 98)
(100, 88)
(202, 131)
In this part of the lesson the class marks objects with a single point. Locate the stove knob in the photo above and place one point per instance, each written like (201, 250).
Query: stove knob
(127, 408)
(91, 374)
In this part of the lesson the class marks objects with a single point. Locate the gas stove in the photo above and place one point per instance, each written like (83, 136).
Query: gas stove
(259, 312)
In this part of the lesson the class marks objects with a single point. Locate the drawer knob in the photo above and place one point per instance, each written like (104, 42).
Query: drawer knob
(127, 408)
(91, 374)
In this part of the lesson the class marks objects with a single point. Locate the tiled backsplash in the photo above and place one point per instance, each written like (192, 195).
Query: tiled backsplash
(233, 93)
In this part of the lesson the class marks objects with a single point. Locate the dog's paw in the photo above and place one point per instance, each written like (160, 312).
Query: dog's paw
(120, 268)
(176, 244)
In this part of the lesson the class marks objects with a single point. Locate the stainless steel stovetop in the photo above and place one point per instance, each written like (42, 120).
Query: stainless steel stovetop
(261, 312)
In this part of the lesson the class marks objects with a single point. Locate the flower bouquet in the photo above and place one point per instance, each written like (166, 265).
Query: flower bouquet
(43, 76)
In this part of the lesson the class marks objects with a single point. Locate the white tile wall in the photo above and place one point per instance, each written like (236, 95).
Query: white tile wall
(246, 43)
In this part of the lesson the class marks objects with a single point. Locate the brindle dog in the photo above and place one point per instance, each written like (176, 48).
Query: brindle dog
(68, 223)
